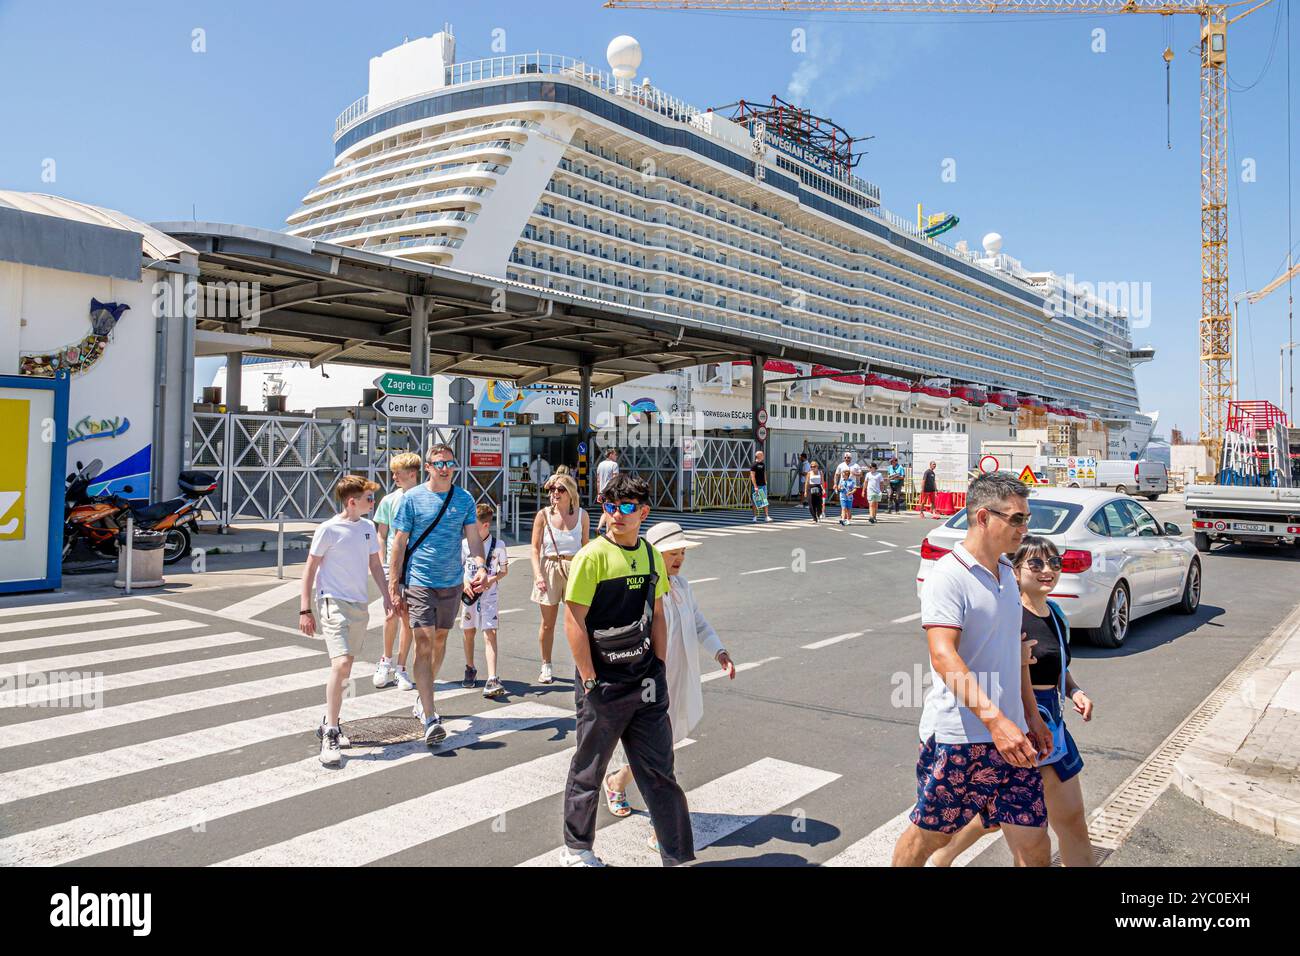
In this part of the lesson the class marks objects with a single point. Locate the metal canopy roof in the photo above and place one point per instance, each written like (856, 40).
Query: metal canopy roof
(326, 303)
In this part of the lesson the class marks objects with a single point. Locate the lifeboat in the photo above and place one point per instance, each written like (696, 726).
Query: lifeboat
(1006, 401)
(930, 396)
(882, 388)
(970, 394)
(835, 382)
(1057, 414)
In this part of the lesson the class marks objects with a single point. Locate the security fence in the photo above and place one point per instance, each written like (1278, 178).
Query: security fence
(272, 466)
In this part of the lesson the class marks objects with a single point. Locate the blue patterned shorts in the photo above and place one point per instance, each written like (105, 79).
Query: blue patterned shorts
(956, 781)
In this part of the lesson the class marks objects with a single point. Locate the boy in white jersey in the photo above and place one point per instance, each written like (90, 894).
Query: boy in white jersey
(342, 550)
(481, 612)
(406, 475)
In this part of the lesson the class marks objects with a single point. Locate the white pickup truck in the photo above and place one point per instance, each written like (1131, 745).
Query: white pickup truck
(1243, 514)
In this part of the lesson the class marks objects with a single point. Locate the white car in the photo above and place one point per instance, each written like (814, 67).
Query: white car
(1118, 562)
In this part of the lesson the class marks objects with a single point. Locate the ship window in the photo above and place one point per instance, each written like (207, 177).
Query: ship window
(802, 412)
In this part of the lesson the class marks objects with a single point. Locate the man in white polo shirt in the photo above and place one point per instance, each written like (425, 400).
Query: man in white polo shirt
(981, 734)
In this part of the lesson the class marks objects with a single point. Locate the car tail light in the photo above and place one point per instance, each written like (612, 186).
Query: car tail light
(1076, 562)
(1202, 524)
(1135, 473)
(1293, 529)
(930, 552)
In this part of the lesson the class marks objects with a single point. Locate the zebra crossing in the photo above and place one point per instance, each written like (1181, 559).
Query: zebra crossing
(161, 768)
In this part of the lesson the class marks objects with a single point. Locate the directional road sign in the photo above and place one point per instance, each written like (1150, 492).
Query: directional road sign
(407, 386)
(398, 406)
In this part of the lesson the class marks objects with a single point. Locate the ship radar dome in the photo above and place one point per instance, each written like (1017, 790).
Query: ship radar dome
(624, 56)
(992, 243)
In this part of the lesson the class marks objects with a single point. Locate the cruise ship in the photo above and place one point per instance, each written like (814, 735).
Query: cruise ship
(547, 170)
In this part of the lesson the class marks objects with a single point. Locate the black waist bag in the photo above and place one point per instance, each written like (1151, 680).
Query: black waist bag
(629, 644)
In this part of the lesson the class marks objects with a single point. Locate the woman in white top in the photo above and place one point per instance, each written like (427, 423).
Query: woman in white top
(688, 631)
(558, 532)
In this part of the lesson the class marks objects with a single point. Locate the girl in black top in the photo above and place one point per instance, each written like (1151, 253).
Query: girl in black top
(816, 490)
(1047, 635)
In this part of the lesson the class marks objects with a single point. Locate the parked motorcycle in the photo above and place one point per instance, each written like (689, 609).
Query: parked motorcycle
(97, 520)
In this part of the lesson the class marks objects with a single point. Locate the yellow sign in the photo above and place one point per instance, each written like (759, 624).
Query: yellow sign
(14, 422)
(1028, 477)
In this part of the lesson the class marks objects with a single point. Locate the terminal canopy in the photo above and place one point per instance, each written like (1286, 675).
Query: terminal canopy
(293, 298)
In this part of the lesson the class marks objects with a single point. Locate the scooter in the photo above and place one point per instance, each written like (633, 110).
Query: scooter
(96, 520)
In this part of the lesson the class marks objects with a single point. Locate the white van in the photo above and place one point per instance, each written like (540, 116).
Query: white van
(1142, 477)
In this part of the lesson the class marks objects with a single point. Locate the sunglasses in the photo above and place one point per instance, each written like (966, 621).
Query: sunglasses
(1017, 519)
(626, 507)
(442, 465)
(1037, 564)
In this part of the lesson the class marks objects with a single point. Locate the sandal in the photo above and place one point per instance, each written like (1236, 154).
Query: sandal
(616, 800)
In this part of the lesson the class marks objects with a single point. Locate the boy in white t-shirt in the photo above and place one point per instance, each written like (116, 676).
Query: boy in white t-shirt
(342, 550)
(482, 612)
(406, 475)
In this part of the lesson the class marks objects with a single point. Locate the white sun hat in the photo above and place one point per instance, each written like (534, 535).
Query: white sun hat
(669, 536)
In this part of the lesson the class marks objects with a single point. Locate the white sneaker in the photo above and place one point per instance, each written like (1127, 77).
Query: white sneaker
(343, 738)
(579, 858)
(404, 681)
(417, 709)
(330, 754)
(385, 676)
(769, 517)
(546, 676)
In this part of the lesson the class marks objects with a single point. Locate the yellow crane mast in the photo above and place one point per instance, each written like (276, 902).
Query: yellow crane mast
(1216, 320)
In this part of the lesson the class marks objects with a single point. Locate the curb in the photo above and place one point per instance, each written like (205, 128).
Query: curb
(1207, 771)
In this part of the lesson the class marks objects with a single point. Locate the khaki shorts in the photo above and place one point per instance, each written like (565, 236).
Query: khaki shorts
(553, 573)
(433, 607)
(343, 625)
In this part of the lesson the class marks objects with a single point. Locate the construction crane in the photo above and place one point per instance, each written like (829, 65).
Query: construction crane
(1216, 371)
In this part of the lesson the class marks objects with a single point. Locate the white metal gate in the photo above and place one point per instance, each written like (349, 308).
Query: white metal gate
(276, 465)
(719, 476)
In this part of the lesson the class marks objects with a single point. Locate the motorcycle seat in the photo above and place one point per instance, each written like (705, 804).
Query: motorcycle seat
(156, 512)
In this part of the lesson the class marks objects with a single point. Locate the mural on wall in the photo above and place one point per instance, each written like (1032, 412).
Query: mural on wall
(15, 414)
(79, 356)
(91, 427)
(503, 398)
(129, 477)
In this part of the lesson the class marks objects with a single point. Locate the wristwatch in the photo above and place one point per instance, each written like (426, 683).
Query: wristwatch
(301, 613)
(589, 684)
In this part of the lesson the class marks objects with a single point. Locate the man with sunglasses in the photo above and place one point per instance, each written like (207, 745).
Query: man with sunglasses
(432, 520)
(981, 734)
(616, 631)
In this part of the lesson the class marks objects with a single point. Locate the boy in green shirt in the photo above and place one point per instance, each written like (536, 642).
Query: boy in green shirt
(615, 627)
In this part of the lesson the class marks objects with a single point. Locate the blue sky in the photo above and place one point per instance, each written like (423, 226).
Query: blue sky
(1059, 148)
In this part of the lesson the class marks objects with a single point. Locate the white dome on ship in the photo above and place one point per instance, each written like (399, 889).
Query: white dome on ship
(624, 56)
(992, 243)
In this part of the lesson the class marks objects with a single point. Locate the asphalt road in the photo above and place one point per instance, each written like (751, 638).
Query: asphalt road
(803, 757)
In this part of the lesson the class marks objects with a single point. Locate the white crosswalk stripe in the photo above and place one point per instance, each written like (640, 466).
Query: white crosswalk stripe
(150, 755)
(876, 848)
(47, 607)
(45, 642)
(46, 623)
(719, 808)
(102, 718)
(116, 654)
(63, 690)
(111, 829)
(263, 601)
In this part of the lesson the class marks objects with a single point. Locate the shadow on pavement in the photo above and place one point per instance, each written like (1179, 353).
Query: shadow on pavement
(1147, 633)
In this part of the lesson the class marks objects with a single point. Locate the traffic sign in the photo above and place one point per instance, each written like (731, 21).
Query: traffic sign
(989, 463)
(1028, 477)
(762, 416)
(408, 386)
(462, 390)
(582, 448)
(761, 433)
(398, 406)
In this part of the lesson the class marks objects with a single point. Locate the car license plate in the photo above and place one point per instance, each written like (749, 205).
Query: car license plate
(1239, 526)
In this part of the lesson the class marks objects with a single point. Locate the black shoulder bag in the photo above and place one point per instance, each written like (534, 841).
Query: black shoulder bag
(406, 558)
(629, 644)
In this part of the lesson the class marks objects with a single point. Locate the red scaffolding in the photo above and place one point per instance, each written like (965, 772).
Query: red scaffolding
(816, 134)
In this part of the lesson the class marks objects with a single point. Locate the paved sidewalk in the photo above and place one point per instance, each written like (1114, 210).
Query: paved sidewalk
(1245, 765)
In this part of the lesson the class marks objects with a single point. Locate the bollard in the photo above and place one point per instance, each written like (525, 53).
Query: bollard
(130, 541)
(516, 516)
(279, 547)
